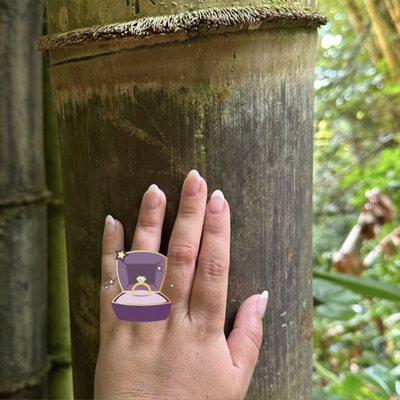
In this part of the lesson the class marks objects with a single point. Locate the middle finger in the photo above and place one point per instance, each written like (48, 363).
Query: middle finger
(185, 241)
(150, 220)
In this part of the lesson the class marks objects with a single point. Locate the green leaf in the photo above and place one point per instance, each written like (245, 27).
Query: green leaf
(363, 286)
(379, 377)
(328, 292)
(336, 302)
(325, 372)
(396, 371)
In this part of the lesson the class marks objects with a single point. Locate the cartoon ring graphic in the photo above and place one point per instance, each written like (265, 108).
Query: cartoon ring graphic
(141, 282)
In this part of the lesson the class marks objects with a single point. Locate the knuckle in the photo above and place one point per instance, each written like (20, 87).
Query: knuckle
(214, 229)
(204, 332)
(148, 224)
(213, 267)
(181, 254)
(254, 336)
(188, 211)
(103, 296)
(108, 253)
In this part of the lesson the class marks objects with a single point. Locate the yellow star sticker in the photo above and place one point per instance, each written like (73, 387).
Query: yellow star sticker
(121, 254)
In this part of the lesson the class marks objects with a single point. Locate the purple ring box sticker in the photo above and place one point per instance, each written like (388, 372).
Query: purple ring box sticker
(141, 275)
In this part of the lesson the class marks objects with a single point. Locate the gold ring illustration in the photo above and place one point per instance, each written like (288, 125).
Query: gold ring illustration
(141, 281)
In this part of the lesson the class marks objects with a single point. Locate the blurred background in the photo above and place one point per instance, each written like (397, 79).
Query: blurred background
(356, 237)
(357, 318)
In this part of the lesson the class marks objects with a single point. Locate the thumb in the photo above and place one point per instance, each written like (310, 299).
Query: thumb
(245, 340)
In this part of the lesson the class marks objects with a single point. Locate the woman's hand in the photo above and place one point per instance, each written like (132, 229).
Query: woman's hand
(186, 356)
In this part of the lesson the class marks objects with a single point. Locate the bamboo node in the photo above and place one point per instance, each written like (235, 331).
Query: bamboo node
(25, 199)
(215, 19)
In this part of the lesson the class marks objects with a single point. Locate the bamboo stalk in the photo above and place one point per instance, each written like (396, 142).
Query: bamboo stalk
(360, 26)
(384, 37)
(134, 111)
(59, 343)
(23, 223)
(393, 8)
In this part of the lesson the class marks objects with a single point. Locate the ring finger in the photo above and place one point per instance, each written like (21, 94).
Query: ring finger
(147, 237)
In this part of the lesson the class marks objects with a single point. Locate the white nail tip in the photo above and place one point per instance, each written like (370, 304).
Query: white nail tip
(110, 220)
(195, 173)
(218, 193)
(264, 295)
(154, 188)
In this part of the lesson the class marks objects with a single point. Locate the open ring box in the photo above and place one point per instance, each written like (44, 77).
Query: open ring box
(140, 305)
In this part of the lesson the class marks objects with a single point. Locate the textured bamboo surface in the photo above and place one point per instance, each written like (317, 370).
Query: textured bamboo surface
(239, 108)
(23, 220)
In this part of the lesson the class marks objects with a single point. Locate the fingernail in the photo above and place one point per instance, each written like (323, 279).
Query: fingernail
(109, 225)
(217, 202)
(193, 183)
(262, 303)
(154, 197)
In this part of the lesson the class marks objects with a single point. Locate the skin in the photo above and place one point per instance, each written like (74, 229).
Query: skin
(186, 356)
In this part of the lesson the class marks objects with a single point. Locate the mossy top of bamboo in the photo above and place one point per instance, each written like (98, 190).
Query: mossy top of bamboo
(203, 21)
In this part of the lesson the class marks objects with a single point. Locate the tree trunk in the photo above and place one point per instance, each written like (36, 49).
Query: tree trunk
(137, 110)
(23, 224)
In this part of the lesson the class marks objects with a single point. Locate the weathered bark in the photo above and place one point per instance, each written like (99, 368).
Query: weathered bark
(23, 224)
(239, 108)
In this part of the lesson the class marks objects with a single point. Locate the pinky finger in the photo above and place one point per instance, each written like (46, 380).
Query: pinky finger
(113, 240)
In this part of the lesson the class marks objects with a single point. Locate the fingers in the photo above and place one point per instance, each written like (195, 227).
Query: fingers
(113, 239)
(185, 241)
(246, 337)
(147, 237)
(150, 220)
(208, 298)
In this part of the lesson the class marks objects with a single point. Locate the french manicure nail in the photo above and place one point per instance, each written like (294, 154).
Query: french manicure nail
(109, 225)
(193, 182)
(217, 202)
(262, 303)
(153, 188)
(155, 198)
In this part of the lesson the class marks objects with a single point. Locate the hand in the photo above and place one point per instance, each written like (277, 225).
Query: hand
(186, 356)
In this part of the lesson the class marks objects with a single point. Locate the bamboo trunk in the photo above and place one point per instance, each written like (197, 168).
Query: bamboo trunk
(23, 225)
(385, 37)
(59, 344)
(218, 92)
(393, 8)
(361, 26)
